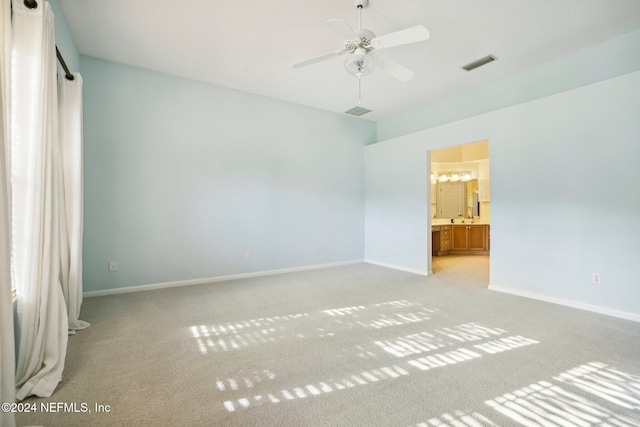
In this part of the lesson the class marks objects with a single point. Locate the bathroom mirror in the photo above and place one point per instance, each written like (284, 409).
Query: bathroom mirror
(457, 199)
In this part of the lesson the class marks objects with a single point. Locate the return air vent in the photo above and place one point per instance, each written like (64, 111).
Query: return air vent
(358, 111)
(479, 62)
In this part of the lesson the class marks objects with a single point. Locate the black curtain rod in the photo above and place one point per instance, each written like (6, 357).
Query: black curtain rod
(32, 4)
(67, 73)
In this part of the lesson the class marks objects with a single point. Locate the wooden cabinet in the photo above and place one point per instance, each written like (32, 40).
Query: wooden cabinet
(445, 239)
(460, 238)
(469, 237)
(464, 239)
(440, 240)
(478, 237)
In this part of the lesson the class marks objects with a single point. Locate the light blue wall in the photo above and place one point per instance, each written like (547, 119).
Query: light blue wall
(565, 198)
(611, 58)
(183, 178)
(64, 39)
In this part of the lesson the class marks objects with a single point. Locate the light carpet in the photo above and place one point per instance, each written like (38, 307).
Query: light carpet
(357, 345)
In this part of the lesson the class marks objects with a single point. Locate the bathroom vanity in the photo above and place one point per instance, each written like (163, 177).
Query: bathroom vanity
(460, 239)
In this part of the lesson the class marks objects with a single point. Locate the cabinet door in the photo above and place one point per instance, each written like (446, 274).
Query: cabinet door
(459, 237)
(435, 242)
(477, 238)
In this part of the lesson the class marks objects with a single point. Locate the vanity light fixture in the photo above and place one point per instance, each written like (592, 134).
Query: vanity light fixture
(452, 176)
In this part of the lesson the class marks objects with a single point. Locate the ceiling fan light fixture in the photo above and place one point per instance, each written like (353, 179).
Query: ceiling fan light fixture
(360, 63)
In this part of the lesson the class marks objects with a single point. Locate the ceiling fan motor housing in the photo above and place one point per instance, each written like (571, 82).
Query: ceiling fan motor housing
(363, 43)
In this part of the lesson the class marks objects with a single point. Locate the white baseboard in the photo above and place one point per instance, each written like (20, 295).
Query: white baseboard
(569, 303)
(398, 267)
(178, 283)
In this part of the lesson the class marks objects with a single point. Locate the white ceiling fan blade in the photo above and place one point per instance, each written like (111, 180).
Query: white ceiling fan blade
(318, 59)
(341, 27)
(392, 67)
(410, 35)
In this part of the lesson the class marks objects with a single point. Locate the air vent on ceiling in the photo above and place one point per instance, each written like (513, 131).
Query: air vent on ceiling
(479, 62)
(358, 111)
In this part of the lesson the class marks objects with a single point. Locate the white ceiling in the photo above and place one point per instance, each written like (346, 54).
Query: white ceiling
(250, 45)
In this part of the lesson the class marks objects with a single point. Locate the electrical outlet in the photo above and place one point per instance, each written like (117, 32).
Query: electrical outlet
(113, 266)
(597, 279)
(249, 255)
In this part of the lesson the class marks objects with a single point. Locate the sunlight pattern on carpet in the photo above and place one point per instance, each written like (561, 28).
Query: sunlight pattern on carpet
(310, 390)
(458, 419)
(247, 333)
(441, 344)
(424, 341)
(545, 403)
(605, 382)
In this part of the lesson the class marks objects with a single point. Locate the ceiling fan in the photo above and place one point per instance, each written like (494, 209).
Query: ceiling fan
(362, 45)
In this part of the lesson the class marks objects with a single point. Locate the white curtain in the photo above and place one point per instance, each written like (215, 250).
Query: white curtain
(42, 312)
(7, 348)
(71, 191)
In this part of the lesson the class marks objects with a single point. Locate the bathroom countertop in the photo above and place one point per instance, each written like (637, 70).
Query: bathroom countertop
(466, 222)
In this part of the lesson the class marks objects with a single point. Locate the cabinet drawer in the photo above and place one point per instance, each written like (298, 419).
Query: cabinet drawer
(445, 245)
(445, 234)
(445, 227)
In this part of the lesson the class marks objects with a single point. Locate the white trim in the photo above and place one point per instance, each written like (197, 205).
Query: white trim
(569, 303)
(178, 283)
(398, 267)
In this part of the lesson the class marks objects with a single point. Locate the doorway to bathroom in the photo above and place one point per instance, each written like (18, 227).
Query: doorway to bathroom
(460, 210)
